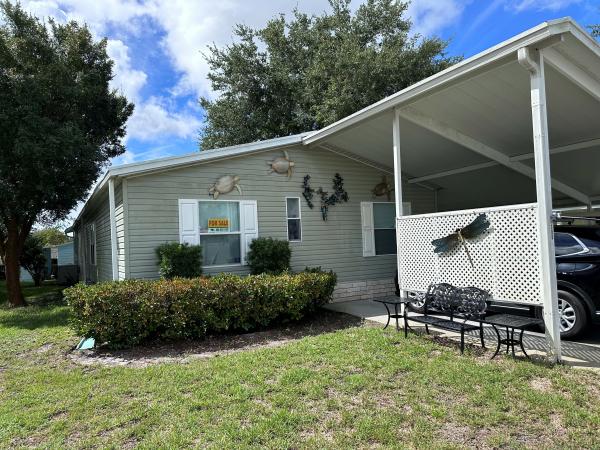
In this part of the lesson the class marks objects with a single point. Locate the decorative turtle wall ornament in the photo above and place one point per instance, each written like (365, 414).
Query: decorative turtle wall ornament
(225, 185)
(383, 188)
(282, 164)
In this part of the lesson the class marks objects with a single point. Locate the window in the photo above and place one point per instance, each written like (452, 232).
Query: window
(379, 227)
(567, 244)
(294, 221)
(384, 230)
(224, 229)
(220, 235)
(91, 244)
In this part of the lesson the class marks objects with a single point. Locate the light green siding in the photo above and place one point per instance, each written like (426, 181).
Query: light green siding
(99, 214)
(152, 210)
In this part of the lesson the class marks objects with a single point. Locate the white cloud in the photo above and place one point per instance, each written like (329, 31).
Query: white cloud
(190, 26)
(152, 120)
(539, 5)
(431, 16)
(129, 157)
(127, 79)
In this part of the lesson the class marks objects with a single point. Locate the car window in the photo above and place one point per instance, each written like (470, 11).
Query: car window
(566, 244)
(592, 245)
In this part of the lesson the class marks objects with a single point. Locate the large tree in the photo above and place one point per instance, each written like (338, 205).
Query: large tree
(60, 123)
(305, 73)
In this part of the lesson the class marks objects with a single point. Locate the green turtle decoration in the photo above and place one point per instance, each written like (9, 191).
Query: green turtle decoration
(383, 188)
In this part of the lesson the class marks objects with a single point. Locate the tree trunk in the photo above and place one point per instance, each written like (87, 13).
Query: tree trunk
(37, 279)
(12, 256)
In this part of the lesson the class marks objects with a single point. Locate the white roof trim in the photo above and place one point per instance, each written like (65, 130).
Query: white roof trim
(189, 159)
(491, 55)
(205, 155)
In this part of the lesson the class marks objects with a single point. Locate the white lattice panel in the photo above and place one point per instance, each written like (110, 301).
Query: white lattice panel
(505, 258)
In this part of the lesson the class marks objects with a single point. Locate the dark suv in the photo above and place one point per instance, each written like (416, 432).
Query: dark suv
(578, 273)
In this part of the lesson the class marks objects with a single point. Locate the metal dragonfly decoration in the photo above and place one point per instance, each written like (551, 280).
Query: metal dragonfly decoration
(476, 228)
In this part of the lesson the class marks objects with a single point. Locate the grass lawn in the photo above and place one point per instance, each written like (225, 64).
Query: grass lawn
(357, 387)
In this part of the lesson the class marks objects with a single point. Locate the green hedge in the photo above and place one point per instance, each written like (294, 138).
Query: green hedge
(179, 260)
(125, 313)
(268, 255)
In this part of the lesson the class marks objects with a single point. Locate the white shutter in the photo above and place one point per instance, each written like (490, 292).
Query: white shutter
(189, 232)
(368, 239)
(249, 225)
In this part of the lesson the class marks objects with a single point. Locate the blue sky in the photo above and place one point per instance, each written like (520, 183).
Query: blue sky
(157, 45)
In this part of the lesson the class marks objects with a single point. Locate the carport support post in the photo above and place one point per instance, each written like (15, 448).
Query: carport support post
(541, 147)
(397, 185)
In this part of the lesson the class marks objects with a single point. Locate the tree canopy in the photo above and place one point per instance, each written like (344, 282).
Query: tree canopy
(302, 74)
(51, 236)
(60, 123)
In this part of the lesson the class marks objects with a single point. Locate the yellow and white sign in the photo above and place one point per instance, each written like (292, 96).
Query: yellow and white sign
(218, 224)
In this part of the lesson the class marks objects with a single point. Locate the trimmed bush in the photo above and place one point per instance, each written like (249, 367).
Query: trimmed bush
(179, 260)
(268, 255)
(125, 313)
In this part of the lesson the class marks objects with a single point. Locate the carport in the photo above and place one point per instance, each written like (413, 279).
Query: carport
(512, 132)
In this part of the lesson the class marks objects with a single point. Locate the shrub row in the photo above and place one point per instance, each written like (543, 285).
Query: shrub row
(125, 313)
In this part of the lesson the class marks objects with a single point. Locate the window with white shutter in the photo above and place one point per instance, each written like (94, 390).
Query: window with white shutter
(223, 228)
(379, 227)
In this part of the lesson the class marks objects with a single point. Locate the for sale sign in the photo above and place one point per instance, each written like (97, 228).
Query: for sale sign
(218, 224)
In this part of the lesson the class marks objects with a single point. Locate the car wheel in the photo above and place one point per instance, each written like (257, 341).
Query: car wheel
(418, 302)
(572, 314)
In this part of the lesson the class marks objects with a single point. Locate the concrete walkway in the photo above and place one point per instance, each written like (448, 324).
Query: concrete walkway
(577, 354)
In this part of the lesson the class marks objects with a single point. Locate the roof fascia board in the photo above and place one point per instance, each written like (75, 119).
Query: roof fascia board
(469, 65)
(175, 161)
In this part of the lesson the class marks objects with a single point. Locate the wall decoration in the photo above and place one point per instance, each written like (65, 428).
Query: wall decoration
(308, 192)
(282, 165)
(383, 188)
(475, 229)
(339, 194)
(225, 185)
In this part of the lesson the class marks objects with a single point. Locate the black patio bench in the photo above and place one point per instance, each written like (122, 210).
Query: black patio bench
(450, 308)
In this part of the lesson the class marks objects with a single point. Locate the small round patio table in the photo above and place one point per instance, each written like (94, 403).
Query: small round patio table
(511, 323)
(395, 302)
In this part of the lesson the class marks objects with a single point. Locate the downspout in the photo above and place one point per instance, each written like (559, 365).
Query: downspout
(113, 229)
